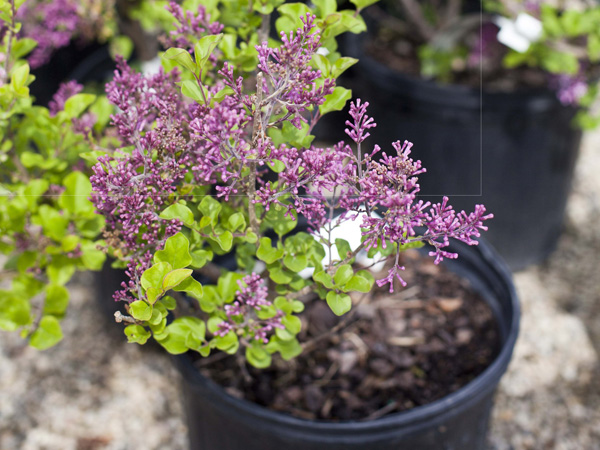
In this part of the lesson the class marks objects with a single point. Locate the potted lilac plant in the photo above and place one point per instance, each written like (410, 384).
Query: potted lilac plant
(192, 181)
(505, 76)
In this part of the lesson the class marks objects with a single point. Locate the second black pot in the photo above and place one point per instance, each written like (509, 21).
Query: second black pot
(459, 421)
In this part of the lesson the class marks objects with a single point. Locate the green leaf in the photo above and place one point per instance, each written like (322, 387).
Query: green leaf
(336, 100)
(281, 223)
(228, 343)
(195, 91)
(182, 57)
(75, 197)
(361, 4)
(120, 45)
(173, 278)
(236, 222)
(60, 271)
(288, 349)
(359, 284)
(57, 299)
(153, 294)
(168, 302)
(343, 274)
(292, 324)
(77, 104)
(279, 275)
(340, 304)
(153, 277)
(276, 166)
(323, 64)
(91, 257)
(343, 248)
(176, 252)
(184, 333)
(342, 64)
(200, 257)
(137, 334)
(54, 224)
(22, 47)
(191, 286)
(225, 240)
(33, 191)
(211, 208)
(258, 356)
(19, 78)
(47, 334)
(227, 286)
(140, 310)
(295, 263)
(204, 47)
(266, 252)
(15, 311)
(324, 278)
(180, 212)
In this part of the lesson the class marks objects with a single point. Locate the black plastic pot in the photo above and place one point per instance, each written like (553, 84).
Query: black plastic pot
(458, 422)
(513, 152)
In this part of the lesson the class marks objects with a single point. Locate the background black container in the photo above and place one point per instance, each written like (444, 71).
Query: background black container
(513, 152)
(458, 421)
(84, 64)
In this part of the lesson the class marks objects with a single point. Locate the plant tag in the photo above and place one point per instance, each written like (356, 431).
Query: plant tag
(351, 232)
(151, 67)
(519, 34)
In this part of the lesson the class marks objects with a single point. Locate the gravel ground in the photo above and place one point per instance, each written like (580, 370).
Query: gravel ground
(95, 392)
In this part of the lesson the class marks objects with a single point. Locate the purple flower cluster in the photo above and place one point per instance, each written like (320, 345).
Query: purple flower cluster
(241, 314)
(130, 186)
(52, 24)
(189, 27)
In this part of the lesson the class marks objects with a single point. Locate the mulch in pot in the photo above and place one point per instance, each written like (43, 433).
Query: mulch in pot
(395, 352)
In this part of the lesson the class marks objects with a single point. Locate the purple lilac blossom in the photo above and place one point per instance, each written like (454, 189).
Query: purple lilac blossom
(569, 89)
(251, 298)
(65, 91)
(52, 24)
(189, 26)
(486, 46)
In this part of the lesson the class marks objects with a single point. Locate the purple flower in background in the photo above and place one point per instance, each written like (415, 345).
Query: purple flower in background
(51, 24)
(189, 27)
(569, 88)
(486, 45)
(65, 91)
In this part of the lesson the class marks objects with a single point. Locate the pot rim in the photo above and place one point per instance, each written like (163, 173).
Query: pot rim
(458, 400)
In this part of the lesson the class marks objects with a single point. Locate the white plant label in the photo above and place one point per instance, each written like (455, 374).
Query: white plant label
(520, 33)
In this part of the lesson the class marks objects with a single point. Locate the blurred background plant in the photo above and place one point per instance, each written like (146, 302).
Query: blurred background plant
(461, 42)
(47, 224)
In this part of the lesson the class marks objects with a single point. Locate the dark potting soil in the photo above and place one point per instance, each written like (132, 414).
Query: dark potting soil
(395, 352)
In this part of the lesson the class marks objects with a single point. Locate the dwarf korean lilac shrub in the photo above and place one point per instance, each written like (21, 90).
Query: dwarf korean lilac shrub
(232, 168)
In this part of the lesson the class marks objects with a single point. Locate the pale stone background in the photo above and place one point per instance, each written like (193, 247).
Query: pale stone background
(95, 392)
